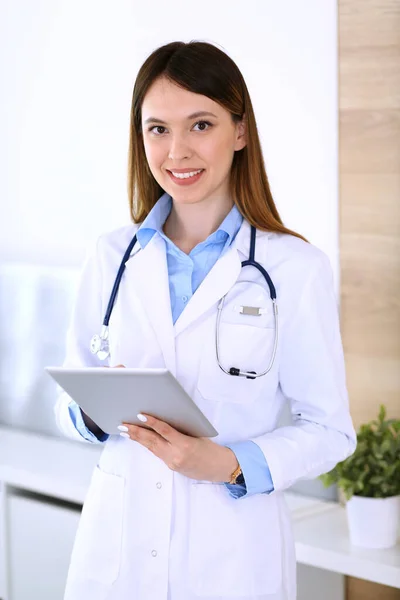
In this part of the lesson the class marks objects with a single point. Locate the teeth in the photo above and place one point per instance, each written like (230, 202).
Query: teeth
(185, 175)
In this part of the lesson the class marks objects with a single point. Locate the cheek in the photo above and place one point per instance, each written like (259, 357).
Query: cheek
(219, 146)
(220, 153)
(154, 154)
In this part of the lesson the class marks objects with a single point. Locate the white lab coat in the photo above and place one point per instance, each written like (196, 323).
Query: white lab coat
(148, 533)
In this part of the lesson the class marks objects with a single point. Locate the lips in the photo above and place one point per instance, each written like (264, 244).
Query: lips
(185, 180)
(183, 171)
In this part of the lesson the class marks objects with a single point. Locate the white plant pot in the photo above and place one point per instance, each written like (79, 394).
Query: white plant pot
(373, 522)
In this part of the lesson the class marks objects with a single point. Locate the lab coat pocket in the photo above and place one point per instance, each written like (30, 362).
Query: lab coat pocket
(243, 346)
(234, 545)
(97, 549)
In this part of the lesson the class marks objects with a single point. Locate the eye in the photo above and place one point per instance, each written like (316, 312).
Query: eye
(155, 129)
(204, 123)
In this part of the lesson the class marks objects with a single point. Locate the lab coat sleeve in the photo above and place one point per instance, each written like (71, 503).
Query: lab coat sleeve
(86, 320)
(312, 378)
(79, 424)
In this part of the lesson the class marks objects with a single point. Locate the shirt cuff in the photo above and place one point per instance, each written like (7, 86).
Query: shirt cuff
(256, 473)
(79, 424)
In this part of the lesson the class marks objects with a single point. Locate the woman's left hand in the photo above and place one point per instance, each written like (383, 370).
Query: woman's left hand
(197, 458)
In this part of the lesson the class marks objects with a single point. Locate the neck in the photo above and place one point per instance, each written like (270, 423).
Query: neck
(190, 224)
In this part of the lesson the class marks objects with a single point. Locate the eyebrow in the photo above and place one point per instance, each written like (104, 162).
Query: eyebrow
(200, 113)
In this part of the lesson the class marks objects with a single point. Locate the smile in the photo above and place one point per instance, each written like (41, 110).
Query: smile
(186, 178)
(186, 175)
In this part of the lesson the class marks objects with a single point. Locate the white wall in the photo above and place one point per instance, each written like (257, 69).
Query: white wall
(67, 69)
(67, 74)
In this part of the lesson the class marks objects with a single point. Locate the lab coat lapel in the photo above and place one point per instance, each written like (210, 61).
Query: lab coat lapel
(148, 275)
(217, 282)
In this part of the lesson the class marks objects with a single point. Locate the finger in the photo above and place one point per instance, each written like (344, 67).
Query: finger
(162, 428)
(146, 437)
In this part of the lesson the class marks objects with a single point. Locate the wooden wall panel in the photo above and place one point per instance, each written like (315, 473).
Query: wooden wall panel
(369, 162)
(370, 141)
(357, 589)
(368, 24)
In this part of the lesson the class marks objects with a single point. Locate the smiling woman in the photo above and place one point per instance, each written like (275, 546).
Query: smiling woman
(167, 137)
(194, 285)
(187, 153)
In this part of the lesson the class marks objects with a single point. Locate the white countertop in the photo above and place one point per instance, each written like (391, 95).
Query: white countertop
(62, 469)
(322, 540)
(47, 465)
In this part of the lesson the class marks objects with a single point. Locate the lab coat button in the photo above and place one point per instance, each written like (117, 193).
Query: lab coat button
(159, 484)
(154, 552)
(184, 298)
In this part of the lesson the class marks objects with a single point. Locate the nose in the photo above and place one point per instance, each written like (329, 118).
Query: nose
(178, 149)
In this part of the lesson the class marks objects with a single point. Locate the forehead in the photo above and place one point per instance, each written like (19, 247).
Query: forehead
(166, 100)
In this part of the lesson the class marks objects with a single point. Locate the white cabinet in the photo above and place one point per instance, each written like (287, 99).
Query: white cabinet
(310, 582)
(40, 538)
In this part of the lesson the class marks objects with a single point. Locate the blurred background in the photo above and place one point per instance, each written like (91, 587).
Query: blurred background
(324, 78)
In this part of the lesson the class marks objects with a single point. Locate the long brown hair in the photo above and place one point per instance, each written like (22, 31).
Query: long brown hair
(202, 68)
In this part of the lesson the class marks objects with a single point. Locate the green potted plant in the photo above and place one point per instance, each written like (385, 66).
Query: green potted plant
(370, 481)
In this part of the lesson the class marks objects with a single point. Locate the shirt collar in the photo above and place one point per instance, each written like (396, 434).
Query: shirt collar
(156, 218)
(231, 224)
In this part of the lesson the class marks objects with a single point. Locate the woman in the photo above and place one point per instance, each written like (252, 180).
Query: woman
(169, 516)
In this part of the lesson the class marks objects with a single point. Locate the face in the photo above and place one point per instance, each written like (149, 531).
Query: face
(185, 132)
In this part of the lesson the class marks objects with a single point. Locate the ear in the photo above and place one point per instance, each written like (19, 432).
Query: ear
(241, 134)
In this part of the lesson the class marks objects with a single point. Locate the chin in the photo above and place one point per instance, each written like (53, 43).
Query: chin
(185, 196)
(182, 198)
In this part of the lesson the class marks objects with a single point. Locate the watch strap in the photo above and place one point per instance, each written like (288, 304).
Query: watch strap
(235, 475)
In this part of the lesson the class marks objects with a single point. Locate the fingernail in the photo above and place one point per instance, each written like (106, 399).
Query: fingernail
(142, 418)
(123, 428)
(125, 435)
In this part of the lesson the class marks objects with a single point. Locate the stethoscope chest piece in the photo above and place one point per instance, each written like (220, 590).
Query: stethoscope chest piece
(99, 344)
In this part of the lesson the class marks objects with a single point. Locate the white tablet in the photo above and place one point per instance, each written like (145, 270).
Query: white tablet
(111, 397)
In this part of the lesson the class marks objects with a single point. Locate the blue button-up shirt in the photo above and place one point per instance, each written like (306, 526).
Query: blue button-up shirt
(185, 274)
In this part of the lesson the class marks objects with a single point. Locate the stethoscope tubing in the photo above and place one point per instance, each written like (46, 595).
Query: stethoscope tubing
(117, 281)
(251, 262)
(99, 343)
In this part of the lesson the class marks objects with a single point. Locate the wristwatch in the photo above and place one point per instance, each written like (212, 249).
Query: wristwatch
(237, 476)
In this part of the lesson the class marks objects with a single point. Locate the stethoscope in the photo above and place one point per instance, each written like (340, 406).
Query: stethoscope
(99, 344)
